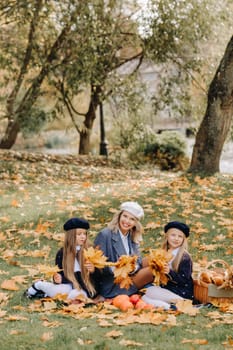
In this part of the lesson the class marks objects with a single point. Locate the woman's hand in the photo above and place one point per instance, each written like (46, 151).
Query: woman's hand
(57, 278)
(89, 266)
(166, 269)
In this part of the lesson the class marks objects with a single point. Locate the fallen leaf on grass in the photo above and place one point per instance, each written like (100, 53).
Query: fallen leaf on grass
(51, 324)
(16, 318)
(186, 307)
(195, 341)
(2, 313)
(20, 279)
(104, 323)
(3, 298)
(113, 334)
(16, 332)
(9, 285)
(47, 336)
(84, 342)
(229, 342)
(125, 342)
(209, 247)
(4, 219)
(49, 305)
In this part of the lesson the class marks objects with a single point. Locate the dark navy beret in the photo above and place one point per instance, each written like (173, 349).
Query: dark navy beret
(76, 223)
(179, 225)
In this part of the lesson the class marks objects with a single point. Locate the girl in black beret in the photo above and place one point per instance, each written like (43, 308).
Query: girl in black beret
(178, 271)
(76, 275)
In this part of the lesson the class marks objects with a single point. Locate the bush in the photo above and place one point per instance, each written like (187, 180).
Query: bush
(167, 151)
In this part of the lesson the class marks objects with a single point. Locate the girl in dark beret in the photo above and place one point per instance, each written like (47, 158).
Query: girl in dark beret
(76, 275)
(178, 270)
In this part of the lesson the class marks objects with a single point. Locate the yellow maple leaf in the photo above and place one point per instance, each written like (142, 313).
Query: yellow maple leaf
(96, 257)
(9, 285)
(157, 258)
(187, 307)
(48, 271)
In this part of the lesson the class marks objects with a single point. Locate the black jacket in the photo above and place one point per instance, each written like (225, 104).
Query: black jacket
(78, 275)
(181, 282)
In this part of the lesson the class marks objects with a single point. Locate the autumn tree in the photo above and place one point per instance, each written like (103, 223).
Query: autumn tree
(67, 45)
(32, 45)
(217, 120)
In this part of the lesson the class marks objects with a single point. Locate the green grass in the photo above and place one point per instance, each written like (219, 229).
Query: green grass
(49, 193)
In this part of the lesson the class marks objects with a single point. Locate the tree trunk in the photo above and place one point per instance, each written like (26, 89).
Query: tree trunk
(85, 135)
(216, 124)
(10, 135)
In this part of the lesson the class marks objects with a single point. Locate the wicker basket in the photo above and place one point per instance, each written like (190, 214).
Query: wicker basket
(210, 293)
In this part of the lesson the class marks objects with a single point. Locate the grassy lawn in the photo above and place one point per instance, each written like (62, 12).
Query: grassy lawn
(36, 199)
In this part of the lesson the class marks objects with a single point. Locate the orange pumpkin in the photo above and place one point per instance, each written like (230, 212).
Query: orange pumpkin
(118, 300)
(126, 305)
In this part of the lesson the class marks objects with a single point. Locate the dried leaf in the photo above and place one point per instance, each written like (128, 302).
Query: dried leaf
(9, 285)
(48, 271)
(125, 342)
(47, 336)
(195, 341)
(113, 334)
(187, 307)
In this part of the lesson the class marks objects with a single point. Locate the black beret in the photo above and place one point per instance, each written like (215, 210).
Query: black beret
(76, 223)
(179, 225)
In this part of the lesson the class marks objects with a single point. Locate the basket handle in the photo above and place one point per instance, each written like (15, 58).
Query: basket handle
(228, 273)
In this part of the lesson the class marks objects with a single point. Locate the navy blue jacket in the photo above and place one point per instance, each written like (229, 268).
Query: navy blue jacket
(181, 282)
(111, 245)
(78, 276)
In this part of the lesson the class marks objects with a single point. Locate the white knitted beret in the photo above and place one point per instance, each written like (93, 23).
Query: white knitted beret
(133, 208)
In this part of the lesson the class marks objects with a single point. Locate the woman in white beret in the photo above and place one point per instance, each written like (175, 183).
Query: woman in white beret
(122, 237)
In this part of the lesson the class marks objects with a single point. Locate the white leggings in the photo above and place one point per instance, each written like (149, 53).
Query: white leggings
(52, 289)
(160, 297)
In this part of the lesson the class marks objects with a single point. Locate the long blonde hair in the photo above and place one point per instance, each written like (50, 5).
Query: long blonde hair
(182, 250)
(136, 232)
(69, 255)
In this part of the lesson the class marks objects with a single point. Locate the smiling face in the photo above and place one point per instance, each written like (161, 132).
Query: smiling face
(175, 238)
(126, 222)
(81, 236)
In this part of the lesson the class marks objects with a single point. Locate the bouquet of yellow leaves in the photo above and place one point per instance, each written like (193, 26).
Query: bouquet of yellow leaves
(96, 257)
(157, 258)
(123, 267)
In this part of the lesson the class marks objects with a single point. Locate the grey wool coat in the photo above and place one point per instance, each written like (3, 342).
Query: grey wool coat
(111, 245)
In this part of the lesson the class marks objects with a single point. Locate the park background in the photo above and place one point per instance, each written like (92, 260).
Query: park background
(44, 179)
